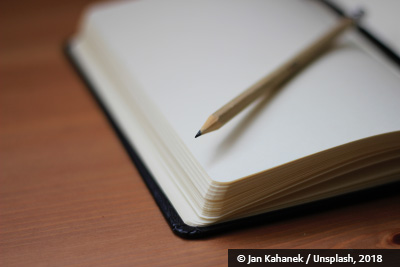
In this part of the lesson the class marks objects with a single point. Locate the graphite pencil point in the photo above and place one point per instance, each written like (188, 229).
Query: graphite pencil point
(198, 134)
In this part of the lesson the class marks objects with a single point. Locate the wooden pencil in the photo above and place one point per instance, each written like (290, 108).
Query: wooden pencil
(274, 79)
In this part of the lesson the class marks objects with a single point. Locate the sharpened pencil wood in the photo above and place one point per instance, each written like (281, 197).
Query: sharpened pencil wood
(274, 79)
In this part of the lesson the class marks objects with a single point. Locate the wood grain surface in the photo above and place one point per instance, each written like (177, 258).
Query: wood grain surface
(69, 194)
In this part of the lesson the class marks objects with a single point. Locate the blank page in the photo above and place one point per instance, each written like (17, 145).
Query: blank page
(191, 57)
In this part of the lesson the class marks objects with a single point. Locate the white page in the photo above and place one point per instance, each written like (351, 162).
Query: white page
(191, 57)
(382, 18)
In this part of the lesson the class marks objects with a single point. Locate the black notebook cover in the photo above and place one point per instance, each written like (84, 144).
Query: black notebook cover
(185, 231)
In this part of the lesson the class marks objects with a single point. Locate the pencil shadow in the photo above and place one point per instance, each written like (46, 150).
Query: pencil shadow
(225, 146)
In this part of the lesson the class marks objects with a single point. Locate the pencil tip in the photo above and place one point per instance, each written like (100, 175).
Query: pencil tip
(198, 134)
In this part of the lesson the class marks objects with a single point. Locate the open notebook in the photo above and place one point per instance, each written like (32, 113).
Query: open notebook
(161, 67)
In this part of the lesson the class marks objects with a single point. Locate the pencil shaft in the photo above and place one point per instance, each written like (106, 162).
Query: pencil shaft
(274, 79)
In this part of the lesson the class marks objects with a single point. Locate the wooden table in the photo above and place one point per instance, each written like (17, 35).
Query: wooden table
(69, 194)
